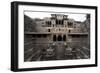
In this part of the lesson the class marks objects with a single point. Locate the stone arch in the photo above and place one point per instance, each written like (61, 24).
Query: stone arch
(64, 37)
(48, 30)
(69, 31)
(54, 37)
(59, 38)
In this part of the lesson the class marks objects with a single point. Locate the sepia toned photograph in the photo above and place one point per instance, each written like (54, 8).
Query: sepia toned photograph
(52, 36)
(56, 36)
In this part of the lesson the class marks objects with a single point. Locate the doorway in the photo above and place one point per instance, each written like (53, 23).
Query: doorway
(59, 38)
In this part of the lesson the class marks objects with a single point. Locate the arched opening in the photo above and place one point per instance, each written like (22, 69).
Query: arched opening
(48, 30)
(59, 38)
(64, 38)
(69, 31)
(54, 37)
